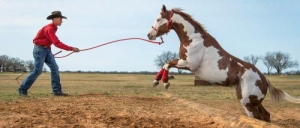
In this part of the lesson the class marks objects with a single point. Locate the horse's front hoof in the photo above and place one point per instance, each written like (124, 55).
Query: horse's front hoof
(155, 83)
(167, 85)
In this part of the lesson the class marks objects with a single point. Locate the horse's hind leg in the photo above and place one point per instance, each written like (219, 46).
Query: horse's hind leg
(264, 114)
(251, 92)
(257, 111)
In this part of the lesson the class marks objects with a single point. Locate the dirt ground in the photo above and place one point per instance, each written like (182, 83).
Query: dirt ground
(130, 103)
(112, 111)
(281, 114)
(101, 111)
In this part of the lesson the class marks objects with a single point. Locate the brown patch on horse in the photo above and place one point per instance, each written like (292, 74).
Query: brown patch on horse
(198, 27)
(233, 74)
(257, 109)
(253, 99)
(184, 40)
(164, 28)
(236, 69)
(262, 85)
(165, 13)
(264, 114)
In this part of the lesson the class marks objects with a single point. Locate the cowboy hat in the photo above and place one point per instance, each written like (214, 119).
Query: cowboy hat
(55, 14)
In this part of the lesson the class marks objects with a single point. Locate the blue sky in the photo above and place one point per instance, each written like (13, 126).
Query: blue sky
(241, 27)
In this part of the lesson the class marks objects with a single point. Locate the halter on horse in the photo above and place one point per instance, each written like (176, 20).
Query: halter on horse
(200, 53)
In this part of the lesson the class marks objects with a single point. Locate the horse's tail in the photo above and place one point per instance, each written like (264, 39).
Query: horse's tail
(279, 95)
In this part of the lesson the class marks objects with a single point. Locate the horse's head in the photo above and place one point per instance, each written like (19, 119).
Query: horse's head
(162, 24)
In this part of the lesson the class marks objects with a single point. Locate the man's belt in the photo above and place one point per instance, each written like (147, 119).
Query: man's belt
(47, 47)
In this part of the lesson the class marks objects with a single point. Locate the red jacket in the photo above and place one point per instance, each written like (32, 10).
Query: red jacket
(46, 37)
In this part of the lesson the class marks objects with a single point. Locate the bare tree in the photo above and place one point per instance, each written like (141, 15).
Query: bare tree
(281, 61)
(4, 62)
(12, 64)
(164, 58)
(267, 60)
(15, 63)
(251, 59)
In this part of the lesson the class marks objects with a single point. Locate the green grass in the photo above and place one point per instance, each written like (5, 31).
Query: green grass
(131, 84)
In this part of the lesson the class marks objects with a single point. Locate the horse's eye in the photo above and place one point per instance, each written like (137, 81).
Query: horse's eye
(158, 20)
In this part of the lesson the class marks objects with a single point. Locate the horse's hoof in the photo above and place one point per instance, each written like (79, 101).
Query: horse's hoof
(167, 85)
(155, 83)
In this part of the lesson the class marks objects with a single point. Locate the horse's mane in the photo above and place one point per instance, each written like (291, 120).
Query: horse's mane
(179, 10)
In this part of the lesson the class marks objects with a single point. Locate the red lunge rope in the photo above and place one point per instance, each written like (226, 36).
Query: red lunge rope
(155, 42)
(162, 41)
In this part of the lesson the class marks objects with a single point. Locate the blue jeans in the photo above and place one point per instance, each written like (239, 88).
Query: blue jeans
(42, 55)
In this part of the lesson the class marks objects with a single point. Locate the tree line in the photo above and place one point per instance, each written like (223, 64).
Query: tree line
(12, 64)
(272, 60)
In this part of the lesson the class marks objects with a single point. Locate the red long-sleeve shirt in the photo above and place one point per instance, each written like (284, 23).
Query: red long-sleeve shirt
(46, 37)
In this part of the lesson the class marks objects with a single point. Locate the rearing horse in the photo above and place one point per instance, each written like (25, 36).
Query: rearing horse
(200, 53)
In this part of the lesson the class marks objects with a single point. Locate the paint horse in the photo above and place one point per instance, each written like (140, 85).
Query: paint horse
(200, 53)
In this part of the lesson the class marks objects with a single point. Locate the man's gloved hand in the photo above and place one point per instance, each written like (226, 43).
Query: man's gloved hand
(75, 49)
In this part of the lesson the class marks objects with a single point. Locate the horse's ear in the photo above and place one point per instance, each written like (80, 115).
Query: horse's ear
(164, 9)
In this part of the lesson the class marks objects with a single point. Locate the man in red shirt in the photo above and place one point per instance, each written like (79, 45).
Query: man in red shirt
(42, 54)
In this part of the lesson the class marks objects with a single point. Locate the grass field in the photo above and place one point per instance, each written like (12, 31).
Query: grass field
(284, 114)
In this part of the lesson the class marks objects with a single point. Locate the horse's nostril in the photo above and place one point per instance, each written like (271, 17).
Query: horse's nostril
(148, 35)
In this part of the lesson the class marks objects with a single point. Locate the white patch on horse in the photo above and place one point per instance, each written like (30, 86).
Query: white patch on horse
(196, 47)
(249, 87)
(182, 63)
(209, 68)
